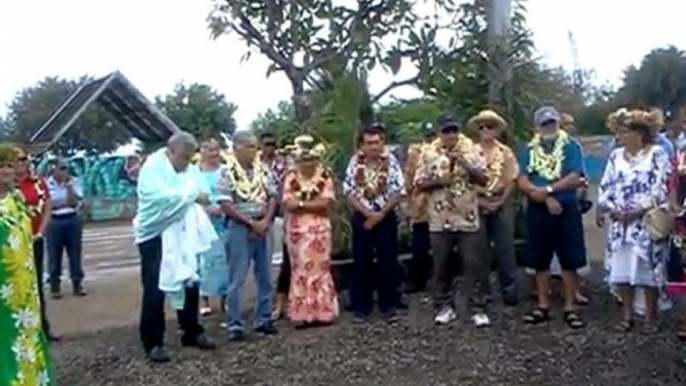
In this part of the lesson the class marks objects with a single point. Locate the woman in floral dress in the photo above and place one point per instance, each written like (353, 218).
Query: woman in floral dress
(308, 195)
(635, 181)
(24, 356)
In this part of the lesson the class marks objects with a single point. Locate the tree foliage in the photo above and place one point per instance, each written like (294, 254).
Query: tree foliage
(658, 81)
(95, 131)
(200, 110)
(301, 37)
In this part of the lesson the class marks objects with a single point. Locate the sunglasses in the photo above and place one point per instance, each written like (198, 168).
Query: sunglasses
(486, 127)
(62, 167)
(450, 130)
(23, 159)
(270, 143)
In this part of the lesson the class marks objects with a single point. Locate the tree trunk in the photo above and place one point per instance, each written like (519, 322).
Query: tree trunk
(498, 17)
(299, 99)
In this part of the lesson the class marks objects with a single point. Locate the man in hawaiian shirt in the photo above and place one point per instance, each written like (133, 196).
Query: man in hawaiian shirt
(448, 170)
(551, 169)
(374, 186)
(421, 243)
(250, 206)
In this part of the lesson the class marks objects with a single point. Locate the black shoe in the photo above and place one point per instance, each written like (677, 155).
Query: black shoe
(158, 355)
(391, 317)
(236, 335)
(55, 292)
(79, 291)
(266, 329)
(201, 342)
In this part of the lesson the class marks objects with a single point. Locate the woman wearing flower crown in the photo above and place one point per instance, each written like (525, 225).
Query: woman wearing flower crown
(24, 356)
(495, 199)
(634, 183)
(551, 169)
(308, 195)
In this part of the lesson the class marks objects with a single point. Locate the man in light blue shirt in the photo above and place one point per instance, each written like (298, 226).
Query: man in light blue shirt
(167, 188)
(65, 229)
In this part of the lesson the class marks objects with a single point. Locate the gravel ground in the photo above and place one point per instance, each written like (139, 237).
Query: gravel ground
(414, 352)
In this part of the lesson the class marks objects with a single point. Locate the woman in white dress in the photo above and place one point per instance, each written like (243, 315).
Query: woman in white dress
(635, 180)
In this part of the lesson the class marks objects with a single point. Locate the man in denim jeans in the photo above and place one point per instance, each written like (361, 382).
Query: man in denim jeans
(249, 200)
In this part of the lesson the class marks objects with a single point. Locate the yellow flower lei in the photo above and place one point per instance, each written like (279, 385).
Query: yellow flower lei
(494, 168)
(464, 145)
(254, 190)
(547, 165)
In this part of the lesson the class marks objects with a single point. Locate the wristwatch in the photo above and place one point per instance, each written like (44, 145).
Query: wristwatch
(549, 189)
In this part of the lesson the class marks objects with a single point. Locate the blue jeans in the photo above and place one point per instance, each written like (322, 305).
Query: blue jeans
(241, 248)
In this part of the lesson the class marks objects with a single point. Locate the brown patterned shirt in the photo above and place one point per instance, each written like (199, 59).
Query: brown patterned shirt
(418, 200)
(455, 208)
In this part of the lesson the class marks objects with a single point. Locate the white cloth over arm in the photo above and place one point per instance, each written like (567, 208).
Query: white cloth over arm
(182, 243)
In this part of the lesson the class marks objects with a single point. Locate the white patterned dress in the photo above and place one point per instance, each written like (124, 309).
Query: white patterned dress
(634, 183)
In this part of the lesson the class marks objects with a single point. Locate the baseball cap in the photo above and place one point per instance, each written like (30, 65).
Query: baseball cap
(546, 114)
(447, 120)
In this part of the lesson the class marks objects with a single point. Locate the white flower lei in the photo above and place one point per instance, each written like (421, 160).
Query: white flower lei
(547, 165)
(254, 190)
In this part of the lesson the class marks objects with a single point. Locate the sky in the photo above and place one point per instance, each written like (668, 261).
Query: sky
(158, 43)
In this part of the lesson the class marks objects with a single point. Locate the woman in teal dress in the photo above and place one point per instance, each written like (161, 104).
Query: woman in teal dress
(24, 356)
(214, 274)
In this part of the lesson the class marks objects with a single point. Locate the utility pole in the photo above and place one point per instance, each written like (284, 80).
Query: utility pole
(499, 22)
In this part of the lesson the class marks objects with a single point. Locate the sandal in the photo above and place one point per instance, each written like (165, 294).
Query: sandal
(537, 316)
(650, 328)
(573, 320)
(625, 325)
(580, 299)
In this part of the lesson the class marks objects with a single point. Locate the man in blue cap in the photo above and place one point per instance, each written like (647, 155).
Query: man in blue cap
(551, 169)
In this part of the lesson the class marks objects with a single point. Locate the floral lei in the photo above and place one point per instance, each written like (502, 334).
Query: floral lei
(547, 165)
(494, 169)
(374, 186)
(306, 190)
(250, 190)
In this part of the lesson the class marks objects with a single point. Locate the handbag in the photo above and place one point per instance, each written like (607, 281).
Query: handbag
(659, 223)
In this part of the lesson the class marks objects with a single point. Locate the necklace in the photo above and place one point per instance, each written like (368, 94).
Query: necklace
(547, 165)
(450, 167)
(249, 189)
(494, 167)
(306, 189)
(37, 210)
(371, 183)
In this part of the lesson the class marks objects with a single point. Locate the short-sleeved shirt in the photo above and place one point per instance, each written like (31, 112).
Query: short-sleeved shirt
(454, 208)
(58, 194)
(36, 194)
(395, 185)
(418, 199)
(501, 168)
(572, 163)
(244, 206)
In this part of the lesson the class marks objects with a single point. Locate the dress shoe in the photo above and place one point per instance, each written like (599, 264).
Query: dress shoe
(158, 355)
(201, 342)
(79, 291)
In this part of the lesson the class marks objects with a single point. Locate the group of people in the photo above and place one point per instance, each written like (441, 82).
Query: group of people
(200, 226)
(458, 188)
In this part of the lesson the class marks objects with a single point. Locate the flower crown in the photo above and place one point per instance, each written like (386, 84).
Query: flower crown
(305, 149)
(654, 119)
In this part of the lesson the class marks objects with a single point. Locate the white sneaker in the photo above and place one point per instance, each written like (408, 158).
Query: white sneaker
(480, 319)
(446, 316)
(205, 311)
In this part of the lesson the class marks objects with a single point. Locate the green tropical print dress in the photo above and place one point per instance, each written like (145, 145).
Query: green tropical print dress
(24, 357)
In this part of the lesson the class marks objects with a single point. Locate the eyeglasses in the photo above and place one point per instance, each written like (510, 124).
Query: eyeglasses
(450, 130)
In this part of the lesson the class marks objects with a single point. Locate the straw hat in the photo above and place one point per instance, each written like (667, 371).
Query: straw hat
(487, 116)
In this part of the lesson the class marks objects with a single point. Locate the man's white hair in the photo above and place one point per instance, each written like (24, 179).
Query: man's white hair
(183, 140)
(243, 136)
